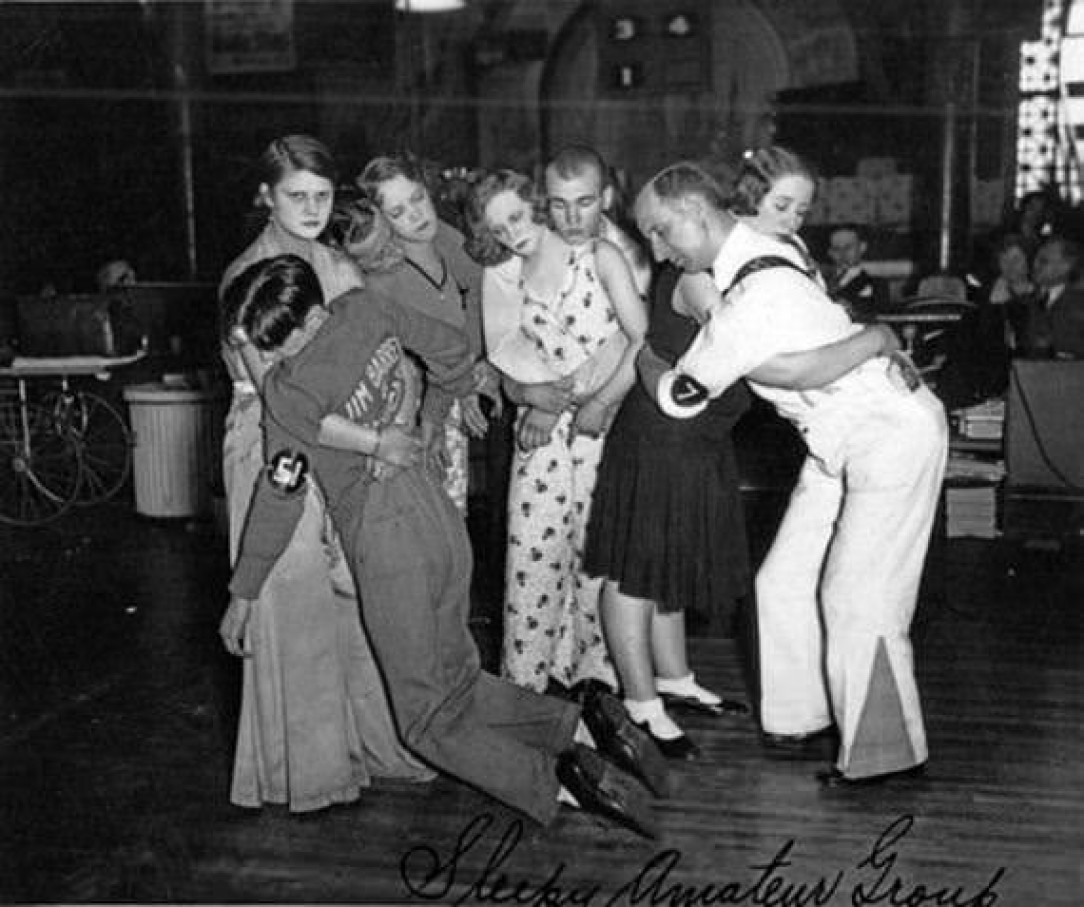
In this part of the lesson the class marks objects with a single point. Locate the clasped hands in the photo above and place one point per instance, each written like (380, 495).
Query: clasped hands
(547, 400)
(402, 447)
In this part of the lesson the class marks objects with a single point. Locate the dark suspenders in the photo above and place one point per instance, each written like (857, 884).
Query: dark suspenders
(760, 263)
(687, 392)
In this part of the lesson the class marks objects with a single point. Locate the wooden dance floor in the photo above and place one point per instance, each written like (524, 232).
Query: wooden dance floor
(119, 711)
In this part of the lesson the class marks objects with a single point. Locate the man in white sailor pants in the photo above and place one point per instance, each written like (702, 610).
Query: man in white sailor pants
(837, 591)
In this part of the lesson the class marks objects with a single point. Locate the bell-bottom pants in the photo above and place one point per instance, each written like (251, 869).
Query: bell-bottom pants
(837, 591)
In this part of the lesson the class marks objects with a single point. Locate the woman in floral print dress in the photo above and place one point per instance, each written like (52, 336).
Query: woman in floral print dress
(568, 316)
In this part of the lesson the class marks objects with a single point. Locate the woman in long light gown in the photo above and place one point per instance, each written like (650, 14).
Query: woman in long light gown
(315, 725)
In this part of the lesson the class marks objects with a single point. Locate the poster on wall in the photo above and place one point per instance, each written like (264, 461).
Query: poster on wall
(249, 36)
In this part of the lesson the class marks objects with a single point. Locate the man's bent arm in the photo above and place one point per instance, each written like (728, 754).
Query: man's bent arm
(815, 368)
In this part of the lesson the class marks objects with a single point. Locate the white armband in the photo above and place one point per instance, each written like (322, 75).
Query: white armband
(680, 397)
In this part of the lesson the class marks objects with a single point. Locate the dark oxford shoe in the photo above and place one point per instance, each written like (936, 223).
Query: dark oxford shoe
(690, 704)
(603, 789)
(834, 778)
(619, 739)
(820, 744)
(678, 748)
(554, 687)
(582, 689)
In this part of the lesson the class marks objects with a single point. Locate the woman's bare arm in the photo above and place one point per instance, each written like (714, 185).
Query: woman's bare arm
(631, 314)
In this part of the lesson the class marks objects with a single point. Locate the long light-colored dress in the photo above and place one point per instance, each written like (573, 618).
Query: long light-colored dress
(551, 621)
(315, 724)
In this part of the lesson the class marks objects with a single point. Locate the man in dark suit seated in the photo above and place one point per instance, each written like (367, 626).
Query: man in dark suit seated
(1054, 319)
(849, 283)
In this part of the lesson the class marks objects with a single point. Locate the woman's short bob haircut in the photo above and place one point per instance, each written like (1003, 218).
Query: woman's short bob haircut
(291, 153)
(760, 170)
(270, 299)
(387, 167)
(482, 244)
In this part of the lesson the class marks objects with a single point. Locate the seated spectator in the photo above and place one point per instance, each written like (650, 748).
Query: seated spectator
(849, 283)
(1006, 292)
(1035, 219)
(115, 273)
(1054, 322)
(977, 349)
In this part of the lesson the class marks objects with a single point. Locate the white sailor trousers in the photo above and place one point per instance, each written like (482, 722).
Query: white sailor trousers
(837, 591)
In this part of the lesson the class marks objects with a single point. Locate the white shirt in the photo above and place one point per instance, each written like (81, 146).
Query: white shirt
(1052, 295)
(778, 310)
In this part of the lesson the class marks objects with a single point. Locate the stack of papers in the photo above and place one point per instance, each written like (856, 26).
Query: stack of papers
(971, 495)
(973, 470)
(971, 512)
(982, 421)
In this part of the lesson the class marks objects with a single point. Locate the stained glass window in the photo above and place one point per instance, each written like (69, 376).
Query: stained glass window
(1050, 119)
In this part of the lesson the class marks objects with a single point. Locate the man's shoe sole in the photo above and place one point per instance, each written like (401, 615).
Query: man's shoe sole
(603, 789)
(621, 741)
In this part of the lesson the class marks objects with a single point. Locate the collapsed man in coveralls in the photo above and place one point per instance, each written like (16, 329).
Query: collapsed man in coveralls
(342, 401)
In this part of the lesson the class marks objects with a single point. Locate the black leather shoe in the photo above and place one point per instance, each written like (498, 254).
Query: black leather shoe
(691, 704)
(602, 788)
(834, 778)
(816, 745)
(584, 688)
(554, 687)
(677, 748)
(622, 742)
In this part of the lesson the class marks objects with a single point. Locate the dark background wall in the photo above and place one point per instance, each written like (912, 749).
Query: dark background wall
(90, 111)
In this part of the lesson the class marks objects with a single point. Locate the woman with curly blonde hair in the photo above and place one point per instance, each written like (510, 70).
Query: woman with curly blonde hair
(425, 258)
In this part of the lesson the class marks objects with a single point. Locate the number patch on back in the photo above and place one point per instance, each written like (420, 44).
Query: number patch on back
(287, 472)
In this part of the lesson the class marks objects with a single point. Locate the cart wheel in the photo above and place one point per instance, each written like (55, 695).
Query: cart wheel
(103, 438)
(40, 467)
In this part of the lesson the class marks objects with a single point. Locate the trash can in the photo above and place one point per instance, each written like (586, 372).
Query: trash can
(177, 449)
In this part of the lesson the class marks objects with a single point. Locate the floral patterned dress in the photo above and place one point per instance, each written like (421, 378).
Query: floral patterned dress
(552, 629)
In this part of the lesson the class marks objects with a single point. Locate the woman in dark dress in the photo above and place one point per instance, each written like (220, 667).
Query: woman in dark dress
(667, 529)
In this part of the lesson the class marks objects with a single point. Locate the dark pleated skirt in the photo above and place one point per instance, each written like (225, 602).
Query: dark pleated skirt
(667, 522)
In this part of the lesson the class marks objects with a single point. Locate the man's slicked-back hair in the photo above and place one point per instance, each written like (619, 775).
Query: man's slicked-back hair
(270, 299)
(682, 180)
(849, 226)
